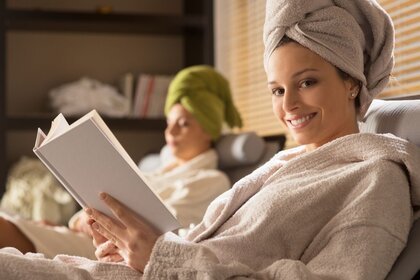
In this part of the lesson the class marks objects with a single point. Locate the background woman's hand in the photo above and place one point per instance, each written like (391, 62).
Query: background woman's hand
(81, 224)
(133, 237)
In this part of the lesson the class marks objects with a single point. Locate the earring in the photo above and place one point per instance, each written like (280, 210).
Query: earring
(355, 92)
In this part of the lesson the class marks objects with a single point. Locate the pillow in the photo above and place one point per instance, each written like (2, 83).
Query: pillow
(408, 262)
(399, 117)
(239, 149)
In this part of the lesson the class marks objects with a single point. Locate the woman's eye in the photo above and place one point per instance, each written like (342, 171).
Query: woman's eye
(307, 83)
(277, 91)
(183, 124)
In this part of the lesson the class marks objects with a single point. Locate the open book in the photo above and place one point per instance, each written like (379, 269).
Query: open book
(88, 159)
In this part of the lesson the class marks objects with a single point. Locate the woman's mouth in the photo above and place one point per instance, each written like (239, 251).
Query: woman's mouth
(299, 121)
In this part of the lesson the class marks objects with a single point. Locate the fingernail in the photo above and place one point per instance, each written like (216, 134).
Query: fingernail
(88, 211)
(102, 195)
(95, 226)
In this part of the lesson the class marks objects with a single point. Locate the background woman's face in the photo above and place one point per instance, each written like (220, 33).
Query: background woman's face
(308, 96)
(184, 135)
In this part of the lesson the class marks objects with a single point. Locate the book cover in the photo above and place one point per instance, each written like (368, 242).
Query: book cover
(140, 94)
(156, 108)
(151, 91)
(88, 159)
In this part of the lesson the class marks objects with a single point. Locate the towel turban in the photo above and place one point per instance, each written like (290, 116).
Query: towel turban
(357, 36)
(206, 95)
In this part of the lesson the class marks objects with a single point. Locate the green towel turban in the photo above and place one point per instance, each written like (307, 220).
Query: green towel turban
(206, 95)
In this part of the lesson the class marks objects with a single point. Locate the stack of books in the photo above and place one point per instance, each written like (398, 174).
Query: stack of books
(150, 95)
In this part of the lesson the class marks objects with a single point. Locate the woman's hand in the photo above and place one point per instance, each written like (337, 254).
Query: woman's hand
(105, 251)
(81, 224)
(133, 237)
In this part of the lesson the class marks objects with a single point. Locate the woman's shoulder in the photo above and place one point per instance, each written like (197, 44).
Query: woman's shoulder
(362, 146)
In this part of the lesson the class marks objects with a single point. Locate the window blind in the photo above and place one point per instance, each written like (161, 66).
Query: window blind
(406, 74)
(239, 56)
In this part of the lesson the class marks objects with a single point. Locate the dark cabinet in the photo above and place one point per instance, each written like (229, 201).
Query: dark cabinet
(43, 47)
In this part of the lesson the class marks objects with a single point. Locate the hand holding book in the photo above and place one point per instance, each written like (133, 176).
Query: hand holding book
(129, 238)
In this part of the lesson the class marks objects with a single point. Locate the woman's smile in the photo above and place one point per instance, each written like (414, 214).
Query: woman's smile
(299, 121)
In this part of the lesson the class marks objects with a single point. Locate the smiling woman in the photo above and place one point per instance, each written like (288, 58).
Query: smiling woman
(310, 98)
(239, 51)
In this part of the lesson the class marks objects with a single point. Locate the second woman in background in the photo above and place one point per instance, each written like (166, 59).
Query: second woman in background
(198, 103)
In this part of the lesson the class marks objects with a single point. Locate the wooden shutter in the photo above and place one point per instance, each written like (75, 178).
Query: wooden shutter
(406, 74)
(239, 56)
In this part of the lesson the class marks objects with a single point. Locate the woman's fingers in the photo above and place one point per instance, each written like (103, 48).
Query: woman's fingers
(106, 222)
(107, 252)
(98, 239)
(104, 249)
(109, 235)
(123, 213)
(104, 228)
(134, 237)
(81, 224)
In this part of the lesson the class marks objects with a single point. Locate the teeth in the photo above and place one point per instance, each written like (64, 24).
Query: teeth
(299, 121)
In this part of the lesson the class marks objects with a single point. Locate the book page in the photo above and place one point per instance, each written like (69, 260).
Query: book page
(114, 141)
(40, 137)
(59, 126)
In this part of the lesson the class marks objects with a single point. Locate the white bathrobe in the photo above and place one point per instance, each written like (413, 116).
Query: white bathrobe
(342, 211)
(187, 190)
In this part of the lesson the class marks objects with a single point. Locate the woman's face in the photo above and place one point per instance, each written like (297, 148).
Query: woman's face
(184, 135)
(309, 97)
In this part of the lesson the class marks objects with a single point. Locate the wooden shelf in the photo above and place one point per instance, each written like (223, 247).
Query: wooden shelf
(44, 122)
(107, 23)
(194, 27)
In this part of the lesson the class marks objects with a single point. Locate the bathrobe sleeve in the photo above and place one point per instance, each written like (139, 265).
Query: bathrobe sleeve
(355, 253)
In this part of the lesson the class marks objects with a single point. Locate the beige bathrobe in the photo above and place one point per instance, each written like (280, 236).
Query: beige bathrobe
(342, 211)
(187, 190)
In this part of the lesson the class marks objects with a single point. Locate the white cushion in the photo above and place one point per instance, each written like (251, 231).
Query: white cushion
(399, 117)
(239, 149)
(408, 263)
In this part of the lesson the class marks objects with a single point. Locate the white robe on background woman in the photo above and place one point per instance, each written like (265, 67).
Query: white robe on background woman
(186, 189)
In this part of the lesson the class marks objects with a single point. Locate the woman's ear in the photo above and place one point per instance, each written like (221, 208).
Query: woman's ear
(353, 88)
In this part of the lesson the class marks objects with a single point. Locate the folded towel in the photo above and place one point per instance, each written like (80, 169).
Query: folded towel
(356, 36)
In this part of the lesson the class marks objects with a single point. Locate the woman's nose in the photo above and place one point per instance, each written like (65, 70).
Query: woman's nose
(290, 100)
(171, 129)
